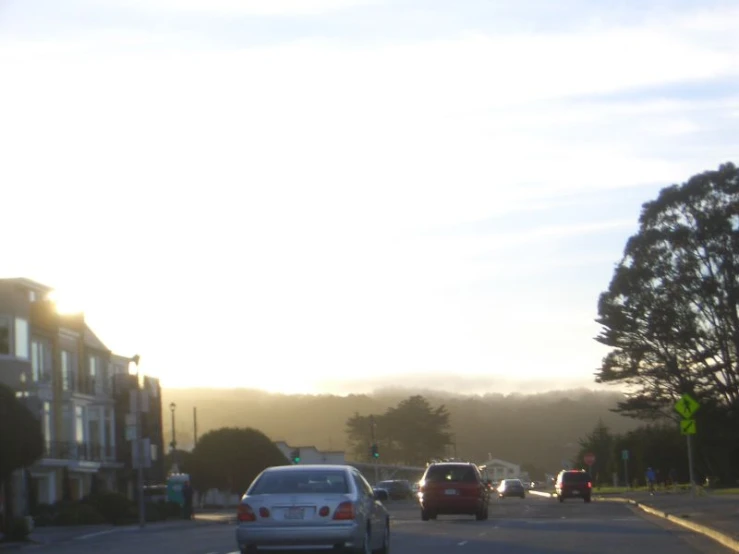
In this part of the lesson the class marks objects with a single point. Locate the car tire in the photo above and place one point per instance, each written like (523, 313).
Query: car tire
(480, 515)
(587, 499)
(561, 498)
(385, 548)
(523, 496)
(425, 515)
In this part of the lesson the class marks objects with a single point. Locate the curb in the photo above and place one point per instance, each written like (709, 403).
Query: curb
(719, 537)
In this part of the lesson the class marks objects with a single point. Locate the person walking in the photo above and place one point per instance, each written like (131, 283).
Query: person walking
(187, 494)
(651, 478)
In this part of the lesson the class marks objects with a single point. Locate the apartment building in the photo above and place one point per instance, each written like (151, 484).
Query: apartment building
(66, 375)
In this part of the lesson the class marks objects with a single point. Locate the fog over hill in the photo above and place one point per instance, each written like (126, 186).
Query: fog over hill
(539, 429)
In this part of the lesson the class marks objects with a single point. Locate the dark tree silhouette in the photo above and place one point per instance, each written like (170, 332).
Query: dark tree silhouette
(21, 443)
(230, 458)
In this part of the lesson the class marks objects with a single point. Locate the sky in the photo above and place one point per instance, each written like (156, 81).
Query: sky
(328, 196)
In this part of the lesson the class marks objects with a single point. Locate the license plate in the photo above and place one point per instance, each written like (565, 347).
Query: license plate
(450, 492)
(294, 513)
(575, 491)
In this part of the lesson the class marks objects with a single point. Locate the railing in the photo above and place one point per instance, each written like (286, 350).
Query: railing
(81, 451)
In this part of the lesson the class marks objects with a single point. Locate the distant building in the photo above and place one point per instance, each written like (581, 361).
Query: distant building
(65, 375)
(500, 469)
(311, 455)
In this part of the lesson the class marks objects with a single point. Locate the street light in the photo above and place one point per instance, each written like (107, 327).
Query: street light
(139, 445)
(173, 444)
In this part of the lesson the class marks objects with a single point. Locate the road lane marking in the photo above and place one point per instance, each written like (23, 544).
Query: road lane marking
(462, 543)
(96, 534)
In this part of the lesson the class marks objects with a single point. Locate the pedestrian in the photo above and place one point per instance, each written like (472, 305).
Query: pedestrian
(651, 478)
(187, 500)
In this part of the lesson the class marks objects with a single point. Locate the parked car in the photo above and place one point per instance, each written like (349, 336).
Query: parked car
(573, 484)
(453, 488)
(312, 506)
(397, 489)
(511, 487)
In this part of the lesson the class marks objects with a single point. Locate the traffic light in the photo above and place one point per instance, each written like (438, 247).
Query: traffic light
(375, 451)
(296, 455)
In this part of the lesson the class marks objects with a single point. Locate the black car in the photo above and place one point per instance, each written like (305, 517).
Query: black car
(573, 484)
(397, 489)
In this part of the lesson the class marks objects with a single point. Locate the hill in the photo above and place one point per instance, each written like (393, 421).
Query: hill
(537, 430)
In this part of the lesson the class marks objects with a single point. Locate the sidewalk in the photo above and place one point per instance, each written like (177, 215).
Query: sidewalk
(716, 511)
(57, 534)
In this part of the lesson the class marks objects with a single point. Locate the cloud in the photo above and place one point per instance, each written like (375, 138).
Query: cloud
(291, 8)
(311, 194)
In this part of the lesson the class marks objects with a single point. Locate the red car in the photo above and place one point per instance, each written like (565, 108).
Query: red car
(453, 488)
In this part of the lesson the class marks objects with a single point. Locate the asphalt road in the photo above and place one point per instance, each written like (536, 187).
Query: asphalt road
(531, 526)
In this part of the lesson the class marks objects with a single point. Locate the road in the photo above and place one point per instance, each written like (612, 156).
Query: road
(532, 526)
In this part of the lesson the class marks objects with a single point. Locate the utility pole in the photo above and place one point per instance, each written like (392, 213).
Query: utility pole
(374, 460)
(194, 426)
(139, 445)
(173, 444)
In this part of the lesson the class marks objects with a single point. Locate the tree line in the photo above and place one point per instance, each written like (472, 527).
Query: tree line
(670, 316)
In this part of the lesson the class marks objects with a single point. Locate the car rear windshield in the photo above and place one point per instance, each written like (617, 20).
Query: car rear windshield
(451, 473)
(300, 482)
(576, 477)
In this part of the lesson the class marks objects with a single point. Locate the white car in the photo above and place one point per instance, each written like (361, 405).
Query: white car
(312, 506)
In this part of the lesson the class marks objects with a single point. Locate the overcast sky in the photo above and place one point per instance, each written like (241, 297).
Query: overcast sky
(328, 195)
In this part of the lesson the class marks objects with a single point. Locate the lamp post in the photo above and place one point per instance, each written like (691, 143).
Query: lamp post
(139, 446)
(173, 444)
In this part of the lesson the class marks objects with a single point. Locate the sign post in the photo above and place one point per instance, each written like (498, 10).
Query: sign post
(625, 458)
(589, 460)
(686, 406)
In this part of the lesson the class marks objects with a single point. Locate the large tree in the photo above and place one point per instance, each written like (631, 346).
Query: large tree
(230, 458)
(671, 312)
(411, 433)
(21, 442)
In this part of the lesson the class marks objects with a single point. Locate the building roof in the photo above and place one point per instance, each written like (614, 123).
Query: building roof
(92, 340)
(29, 283)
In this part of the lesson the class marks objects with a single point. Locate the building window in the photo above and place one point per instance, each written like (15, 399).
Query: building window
(40, 360)
(79, 424)
(66, 370)
(21, 338)
(47, 424)
(4, 335)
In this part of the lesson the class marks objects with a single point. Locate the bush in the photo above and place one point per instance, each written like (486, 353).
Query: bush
(19, 530)
(113, 506)
(43, 515)
(78, 513)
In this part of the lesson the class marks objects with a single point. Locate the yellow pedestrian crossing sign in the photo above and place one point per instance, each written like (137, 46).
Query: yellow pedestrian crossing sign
(687, 427)
(686, 406)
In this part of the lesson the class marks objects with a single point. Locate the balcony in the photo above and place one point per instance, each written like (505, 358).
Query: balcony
(79, 451)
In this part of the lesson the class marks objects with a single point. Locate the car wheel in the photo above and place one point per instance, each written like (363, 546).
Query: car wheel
(480, 514)
(523, 496)
(487, 513)
(385, 548)
(425, 516)
(561, 498)
(587, 499)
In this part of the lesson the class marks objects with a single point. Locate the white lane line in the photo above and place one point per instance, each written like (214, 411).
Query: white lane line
(96, 534)
(483, 534)
(461, 543)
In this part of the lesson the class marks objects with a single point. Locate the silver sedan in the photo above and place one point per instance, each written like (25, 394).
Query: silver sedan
(312, 506)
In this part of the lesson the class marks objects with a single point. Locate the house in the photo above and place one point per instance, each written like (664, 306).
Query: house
(311, 455)
(500, 469)
(63, 372)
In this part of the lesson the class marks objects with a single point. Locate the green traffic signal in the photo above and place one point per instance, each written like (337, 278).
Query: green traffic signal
(296, 456)
(375, 451)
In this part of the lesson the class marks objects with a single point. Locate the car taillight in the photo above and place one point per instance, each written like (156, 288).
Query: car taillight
(590, 485)
(263, 512)
(323, 512)
(245, 513)
(345, 511)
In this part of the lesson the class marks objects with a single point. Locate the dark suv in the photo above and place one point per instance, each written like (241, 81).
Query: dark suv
(573, 484)
(453, 488)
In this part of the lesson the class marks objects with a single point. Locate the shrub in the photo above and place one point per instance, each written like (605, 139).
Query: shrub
(113, 506)
(78, 513)
(173, 510)
(19, 530)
